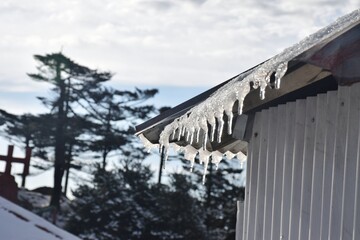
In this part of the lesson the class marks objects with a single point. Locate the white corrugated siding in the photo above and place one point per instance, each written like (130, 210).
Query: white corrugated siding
(303, 170)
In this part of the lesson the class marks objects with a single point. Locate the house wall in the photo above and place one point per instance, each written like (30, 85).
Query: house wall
(303, 171)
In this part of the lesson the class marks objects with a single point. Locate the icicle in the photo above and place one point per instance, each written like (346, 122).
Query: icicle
(262, 93)
(190, 152)
(216, 158)
(173, 134)
(175, 128)
(229, 155)
(228, 104)
(220, 127)
(166, 154)
(280, 72)
(205, 171)
(205, 141)
(192, 164)
(183, 131)
(204, 158)
(230, 118)
(191, 137)
(241, 156)
(187, 135)
(197, 131)
(203, 155)
(209, 118)
(262, 90)
(241, 94)
(147, 144)
(240, 107)
(268, 76)
(179, 133)
(204, 127)
(176, 147)
(213, 128)
(164, 140)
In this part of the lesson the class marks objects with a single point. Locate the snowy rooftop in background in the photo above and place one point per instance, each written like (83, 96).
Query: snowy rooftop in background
(20, 224)
(204, 122)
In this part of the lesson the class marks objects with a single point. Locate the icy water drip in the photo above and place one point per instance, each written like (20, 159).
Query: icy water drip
(204, 157)
(216, 158)
(211, 111)
(147, 144)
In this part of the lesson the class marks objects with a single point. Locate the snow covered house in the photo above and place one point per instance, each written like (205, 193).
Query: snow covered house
(296, 119)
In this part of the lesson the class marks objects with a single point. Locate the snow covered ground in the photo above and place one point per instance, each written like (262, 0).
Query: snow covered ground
(21, 224)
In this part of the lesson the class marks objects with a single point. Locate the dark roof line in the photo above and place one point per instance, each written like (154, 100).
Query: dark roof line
(182, 107)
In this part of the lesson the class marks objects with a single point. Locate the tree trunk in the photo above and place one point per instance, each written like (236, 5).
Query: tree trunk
(104, 156)
(67, 167)
(59, 143)
(106, 137)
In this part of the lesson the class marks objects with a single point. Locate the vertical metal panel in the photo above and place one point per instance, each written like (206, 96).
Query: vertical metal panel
(338, 167)
(310, 123)
(303, 170)
(279, 159)
(247, 192)
(350, 165)
(239, 220)
(269, 179)
(330, 137)
(287, 170)
(253, 176)
(356, 228)
(318, 167)
(261, 174)
(297, 170)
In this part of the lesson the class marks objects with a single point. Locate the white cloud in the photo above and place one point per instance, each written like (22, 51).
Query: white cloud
(184, 43)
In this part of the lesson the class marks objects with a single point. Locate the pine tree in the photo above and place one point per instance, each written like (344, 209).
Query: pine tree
(115, 113)
(219, 195)
(19, 128)
(116, 206)
(28, 130)
(178, 211)
(125, 204)
(69, 81)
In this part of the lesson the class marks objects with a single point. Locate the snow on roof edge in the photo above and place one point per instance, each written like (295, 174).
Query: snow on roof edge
(211, 111)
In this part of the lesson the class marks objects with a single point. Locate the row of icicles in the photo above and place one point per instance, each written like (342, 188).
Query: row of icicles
(207, 117)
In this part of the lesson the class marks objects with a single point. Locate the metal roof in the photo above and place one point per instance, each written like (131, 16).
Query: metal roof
(304, 77)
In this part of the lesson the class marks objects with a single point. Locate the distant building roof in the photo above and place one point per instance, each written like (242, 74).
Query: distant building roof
(21, 224)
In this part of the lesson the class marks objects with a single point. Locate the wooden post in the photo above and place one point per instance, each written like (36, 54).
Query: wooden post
(8, 186)
(26, 166)
(8, 160)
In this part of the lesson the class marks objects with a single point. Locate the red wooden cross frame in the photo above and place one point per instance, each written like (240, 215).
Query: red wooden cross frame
(9, 159)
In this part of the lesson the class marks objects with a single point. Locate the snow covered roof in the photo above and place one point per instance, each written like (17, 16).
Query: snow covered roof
(198, 125)
(21, 224)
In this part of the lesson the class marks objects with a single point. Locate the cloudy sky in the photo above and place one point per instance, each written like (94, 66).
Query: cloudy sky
(181, 47)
